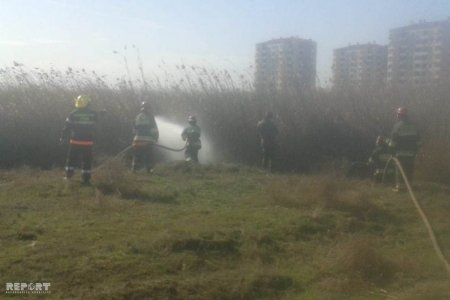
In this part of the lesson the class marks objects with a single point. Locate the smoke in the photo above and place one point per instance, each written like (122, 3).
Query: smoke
(170, 136)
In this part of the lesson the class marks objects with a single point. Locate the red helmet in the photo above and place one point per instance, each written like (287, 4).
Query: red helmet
(402, 111)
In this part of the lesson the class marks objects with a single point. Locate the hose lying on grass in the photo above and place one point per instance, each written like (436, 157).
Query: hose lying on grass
(124, 151)
(424, 218)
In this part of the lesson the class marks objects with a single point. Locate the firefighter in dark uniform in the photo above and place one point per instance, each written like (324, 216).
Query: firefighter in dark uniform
(79, 130)
(267, 132)
(145, 135)
(404, 144)
(191, 135)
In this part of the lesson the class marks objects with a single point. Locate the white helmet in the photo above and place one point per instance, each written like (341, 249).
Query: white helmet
(192, 120)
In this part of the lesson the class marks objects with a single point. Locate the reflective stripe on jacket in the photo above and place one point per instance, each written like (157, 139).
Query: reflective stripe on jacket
(81, 143)
(80, 125)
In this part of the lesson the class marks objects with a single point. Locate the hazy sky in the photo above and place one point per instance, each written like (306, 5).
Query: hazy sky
(215, 33)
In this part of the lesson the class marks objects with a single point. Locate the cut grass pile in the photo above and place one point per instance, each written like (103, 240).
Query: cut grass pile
(219, 232)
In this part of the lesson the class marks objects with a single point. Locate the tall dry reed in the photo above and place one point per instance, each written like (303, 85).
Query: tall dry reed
(315, 126)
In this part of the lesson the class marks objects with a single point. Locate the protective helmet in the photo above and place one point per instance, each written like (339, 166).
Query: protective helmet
(269, 115)
(145, 105)
(380, 140)
(192, 120)
(402, 111)
(82, 101)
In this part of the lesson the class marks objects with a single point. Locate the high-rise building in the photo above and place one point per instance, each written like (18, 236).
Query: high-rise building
(360, 66)
(286, 64)
(419, 53)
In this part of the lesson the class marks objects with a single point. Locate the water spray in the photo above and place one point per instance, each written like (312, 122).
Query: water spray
(170, 134)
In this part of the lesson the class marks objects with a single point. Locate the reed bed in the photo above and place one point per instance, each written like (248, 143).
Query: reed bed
(317, 128)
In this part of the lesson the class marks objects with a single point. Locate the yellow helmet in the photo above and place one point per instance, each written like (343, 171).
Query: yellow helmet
(82, 101)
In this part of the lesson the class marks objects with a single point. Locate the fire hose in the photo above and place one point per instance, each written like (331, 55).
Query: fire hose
(124, 151)
(424, 218)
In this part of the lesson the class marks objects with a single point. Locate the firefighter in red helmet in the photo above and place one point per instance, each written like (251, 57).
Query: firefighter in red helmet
(404, 143)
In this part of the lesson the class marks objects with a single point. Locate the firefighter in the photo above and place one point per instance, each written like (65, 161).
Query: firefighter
(404, 144)
(79, 130)
(145, 135)
(191, 135)
(267, 132)
(379, 158)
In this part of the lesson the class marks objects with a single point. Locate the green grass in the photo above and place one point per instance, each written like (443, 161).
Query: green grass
(219, 232)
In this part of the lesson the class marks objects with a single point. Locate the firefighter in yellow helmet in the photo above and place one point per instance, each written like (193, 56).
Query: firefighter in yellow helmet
(79, 131)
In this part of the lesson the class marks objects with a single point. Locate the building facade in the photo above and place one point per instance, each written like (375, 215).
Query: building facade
(285, 64)
(419, 54)
(360, 66)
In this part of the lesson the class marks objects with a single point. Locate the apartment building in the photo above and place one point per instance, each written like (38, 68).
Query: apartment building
(360, 66)
(419, 54)
(285, 64)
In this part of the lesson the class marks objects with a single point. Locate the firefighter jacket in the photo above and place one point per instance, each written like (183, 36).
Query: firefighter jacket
(145, 129)
(404, 139)
(80, 127)
(191, 134)
(267, 132)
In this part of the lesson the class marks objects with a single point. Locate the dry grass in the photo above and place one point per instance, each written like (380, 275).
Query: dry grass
(427, 291)
(114, 180)
(229, 236)
(362, 257)
(323, 192)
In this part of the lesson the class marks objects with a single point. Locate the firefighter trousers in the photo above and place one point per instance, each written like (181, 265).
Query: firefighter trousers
(142, 157)
(73, 159)
(268, 154)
